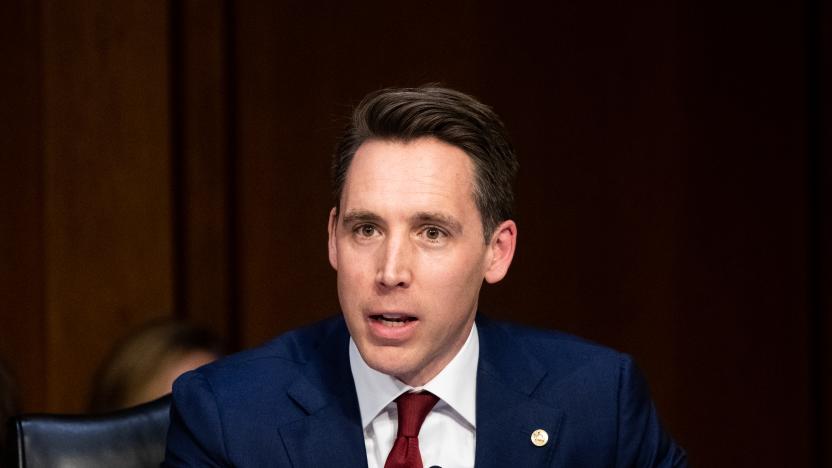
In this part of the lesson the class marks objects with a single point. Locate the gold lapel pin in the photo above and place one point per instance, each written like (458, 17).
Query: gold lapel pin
(540, 438)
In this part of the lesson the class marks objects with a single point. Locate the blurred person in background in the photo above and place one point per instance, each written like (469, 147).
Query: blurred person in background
(143, 366)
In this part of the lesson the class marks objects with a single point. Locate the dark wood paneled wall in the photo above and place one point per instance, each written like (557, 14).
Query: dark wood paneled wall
(22, 265)
(203, 164)
(172, 159)
(86, 189)
(107, 216)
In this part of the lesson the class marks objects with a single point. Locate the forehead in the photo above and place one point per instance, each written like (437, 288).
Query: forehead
(423, 174)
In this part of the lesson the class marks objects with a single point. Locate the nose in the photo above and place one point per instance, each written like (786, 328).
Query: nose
(394, 269)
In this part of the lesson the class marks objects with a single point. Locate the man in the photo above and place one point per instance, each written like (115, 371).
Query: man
(411, 375)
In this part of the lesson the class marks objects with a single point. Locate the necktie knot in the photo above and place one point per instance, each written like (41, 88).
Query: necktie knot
(413, 409)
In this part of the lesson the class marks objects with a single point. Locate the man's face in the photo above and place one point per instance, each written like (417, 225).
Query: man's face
(409, 251)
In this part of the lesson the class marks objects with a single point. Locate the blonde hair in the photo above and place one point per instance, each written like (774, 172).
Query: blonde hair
(138, 358)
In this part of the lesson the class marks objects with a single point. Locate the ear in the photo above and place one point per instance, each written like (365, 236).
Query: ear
(502, 245)
(333, 249)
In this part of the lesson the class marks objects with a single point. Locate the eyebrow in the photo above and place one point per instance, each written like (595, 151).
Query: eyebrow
(435, 217)
(360, 216)
(422, 217)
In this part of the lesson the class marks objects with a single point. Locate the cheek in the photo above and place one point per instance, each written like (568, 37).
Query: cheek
(456, 282)
(462, 268)
(354, 280)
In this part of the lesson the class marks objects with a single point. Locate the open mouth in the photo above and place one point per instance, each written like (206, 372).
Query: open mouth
(393, 320)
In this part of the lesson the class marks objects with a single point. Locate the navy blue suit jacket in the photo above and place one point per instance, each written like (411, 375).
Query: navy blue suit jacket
(292, 403)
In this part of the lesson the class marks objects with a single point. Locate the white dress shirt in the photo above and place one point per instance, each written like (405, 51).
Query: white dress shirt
(448, 437)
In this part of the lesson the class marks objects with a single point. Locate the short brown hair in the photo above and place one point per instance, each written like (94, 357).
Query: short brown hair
(406, 114)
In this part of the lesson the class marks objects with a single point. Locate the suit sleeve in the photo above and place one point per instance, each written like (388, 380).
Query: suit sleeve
(642, 442)
(195, 436)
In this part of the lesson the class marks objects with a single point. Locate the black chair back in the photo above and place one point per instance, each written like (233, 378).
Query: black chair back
(131, 438)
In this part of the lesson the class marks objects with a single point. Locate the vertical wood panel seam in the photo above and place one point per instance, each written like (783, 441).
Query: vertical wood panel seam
(232, 214)
(47, 220)
(178, 181)
(816, 249)
(43, 276)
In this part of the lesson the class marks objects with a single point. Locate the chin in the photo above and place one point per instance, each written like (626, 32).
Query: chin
(387, 362)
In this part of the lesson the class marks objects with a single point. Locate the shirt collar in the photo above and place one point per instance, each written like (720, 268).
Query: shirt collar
(455, 384)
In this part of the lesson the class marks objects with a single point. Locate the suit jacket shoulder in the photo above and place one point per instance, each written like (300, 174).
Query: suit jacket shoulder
(592, 402)
(262, 407)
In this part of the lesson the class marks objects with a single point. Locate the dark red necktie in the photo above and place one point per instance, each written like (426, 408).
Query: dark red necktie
(413, 409)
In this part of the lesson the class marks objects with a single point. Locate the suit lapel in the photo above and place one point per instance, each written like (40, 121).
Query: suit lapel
(326, 438)
(507, 415)
(330, 434)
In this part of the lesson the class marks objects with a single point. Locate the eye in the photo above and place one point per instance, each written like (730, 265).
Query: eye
(366, 230)
(433, 234)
